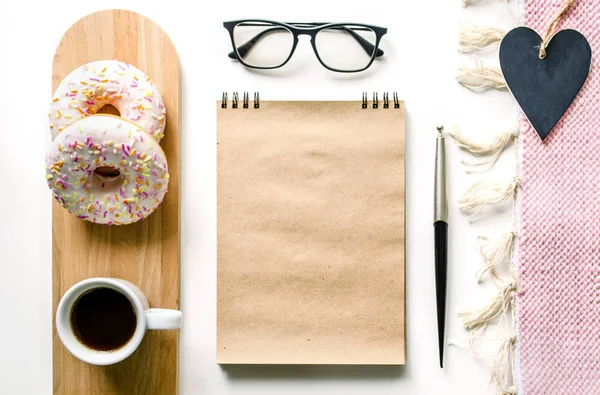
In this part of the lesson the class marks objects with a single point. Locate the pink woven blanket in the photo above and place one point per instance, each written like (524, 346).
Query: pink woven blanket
(558, 244)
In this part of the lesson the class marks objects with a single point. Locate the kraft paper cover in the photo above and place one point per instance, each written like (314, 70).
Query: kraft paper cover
(310, 234)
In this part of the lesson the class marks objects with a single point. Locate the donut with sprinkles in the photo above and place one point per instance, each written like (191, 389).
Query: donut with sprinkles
(92, 86)
(106, 141)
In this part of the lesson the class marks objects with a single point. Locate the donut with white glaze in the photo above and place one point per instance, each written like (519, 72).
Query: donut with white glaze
(92, 86)
(102, 141)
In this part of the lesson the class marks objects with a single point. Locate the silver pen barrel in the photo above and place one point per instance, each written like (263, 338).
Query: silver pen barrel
(440, 202)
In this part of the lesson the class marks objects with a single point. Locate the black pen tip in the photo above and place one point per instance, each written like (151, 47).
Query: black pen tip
(441, 347)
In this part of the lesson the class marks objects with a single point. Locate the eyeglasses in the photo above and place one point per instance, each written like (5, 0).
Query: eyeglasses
(341, 47)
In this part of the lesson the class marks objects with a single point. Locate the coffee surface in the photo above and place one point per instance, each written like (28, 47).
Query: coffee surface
(103, 319)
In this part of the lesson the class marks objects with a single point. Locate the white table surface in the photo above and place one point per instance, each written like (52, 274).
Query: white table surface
(420, 63)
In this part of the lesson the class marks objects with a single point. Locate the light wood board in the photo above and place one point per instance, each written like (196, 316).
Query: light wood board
(145, 253)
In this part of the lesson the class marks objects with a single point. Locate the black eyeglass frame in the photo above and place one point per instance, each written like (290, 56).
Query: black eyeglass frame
(311, 29)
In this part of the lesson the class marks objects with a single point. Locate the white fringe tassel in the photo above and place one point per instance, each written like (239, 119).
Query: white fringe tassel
(480, 77)
(495, 253)
(493, 148)
(512, 390)
(482, 193)
(474, 38)
(467, 3)
(500, 303)
(502, 363)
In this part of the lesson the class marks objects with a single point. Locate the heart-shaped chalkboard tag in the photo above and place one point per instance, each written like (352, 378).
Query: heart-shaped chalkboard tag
(544, 88)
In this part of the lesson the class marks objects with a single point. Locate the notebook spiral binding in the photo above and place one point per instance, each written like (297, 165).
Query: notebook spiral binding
(375, 101)
(235, 98)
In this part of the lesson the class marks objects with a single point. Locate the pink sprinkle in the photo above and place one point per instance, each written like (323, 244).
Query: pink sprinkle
(91, 103)
(147, 98)
(121, 192)
(136, 118)
(105, 214)
(76, 159)
(121, 66)
(154, 156)
(141, 138)
(134, 84)
(154, 173)
(94, 79)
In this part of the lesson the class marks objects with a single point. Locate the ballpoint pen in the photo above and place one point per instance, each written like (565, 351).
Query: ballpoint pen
(440, 226)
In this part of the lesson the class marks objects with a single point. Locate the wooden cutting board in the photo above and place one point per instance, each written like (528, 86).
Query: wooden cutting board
(145, 253)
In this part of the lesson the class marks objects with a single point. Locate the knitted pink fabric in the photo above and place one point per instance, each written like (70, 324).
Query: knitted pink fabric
(558, 249)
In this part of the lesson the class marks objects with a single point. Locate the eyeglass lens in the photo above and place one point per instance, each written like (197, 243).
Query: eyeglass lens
(347, 48)
(262, 44)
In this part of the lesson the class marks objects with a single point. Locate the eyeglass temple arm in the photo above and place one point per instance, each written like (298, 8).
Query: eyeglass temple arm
(367, 46)
(243, 49)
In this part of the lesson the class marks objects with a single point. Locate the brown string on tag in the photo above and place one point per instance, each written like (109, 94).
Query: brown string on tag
(550, 31)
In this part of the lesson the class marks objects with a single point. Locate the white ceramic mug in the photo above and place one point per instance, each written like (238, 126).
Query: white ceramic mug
(147, 318)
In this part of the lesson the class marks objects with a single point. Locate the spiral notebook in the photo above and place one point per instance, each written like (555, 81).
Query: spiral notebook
(310, 231)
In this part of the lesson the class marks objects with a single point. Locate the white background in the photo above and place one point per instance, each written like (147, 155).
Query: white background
(420, 63)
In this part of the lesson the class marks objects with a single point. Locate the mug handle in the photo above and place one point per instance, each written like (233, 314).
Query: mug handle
(163, 319)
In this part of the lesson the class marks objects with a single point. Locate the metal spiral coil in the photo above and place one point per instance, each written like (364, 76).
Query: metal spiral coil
(235, 97)
(375, 100)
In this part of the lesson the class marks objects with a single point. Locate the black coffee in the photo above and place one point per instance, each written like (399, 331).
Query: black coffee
(103, 319)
